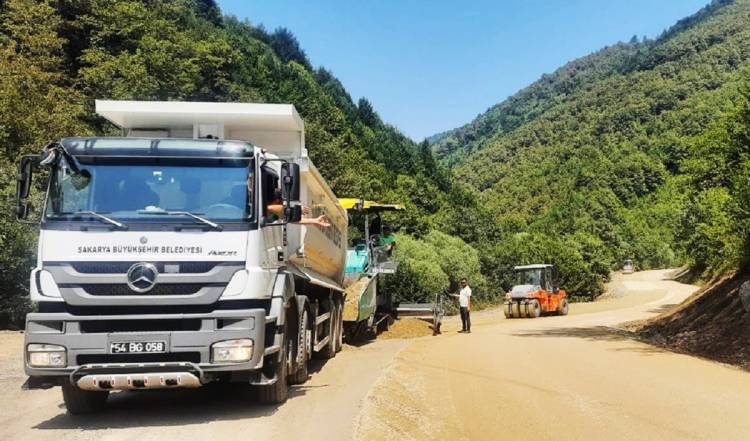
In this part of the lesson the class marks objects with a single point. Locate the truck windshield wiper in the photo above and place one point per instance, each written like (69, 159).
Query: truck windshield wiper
(200, 219)
(100, 217)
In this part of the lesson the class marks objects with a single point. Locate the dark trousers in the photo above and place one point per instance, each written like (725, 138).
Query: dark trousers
(465, 319)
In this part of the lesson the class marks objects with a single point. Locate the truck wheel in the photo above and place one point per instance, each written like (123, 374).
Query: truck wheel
(535, 310)
(79, 401)
(277, 392)
(563, 307)
(303, 349)
(339, 325)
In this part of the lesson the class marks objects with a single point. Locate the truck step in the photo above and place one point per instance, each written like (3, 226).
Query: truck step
(321, 344)
(322, 317)
(271, 350)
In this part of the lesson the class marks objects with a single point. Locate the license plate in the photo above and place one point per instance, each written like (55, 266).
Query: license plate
(138, 347)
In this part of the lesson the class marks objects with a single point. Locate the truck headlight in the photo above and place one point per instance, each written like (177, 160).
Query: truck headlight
(232, 351)
(43, 355)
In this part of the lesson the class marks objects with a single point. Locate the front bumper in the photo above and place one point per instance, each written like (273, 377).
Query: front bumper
(87, 340)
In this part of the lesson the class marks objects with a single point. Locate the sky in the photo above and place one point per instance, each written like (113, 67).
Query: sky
(430, 66)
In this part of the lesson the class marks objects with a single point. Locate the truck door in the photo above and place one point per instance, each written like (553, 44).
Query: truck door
(272, 234)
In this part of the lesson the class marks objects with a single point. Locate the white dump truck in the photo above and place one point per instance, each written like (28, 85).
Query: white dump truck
(176, 255)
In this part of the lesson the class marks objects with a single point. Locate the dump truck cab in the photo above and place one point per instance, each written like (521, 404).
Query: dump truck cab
(535, 293)
(173, 256)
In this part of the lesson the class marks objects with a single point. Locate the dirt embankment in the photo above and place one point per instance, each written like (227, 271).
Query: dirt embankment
(712, 323)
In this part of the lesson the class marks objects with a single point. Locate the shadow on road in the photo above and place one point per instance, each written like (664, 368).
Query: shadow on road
(664, 308)
(595, 333)
(178, 407)
(359, 341)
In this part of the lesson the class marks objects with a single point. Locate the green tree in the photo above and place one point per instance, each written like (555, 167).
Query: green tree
(286, 46)
(37, 104)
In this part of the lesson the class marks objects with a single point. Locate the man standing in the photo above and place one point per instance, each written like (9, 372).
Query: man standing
(464, 303)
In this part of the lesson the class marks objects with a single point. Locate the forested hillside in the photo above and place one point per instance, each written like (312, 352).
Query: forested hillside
(639, 151)
(56, 57)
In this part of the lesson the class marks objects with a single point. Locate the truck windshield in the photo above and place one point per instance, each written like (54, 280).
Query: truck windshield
(142, 192)
(529, 277)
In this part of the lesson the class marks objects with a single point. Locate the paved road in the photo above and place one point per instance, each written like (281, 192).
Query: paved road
(560, 378)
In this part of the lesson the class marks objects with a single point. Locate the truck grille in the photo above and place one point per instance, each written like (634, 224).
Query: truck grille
(89, 310)
(123, 267)
(165, 289)
(144, 325)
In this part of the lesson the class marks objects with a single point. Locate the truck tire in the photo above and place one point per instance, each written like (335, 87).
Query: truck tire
(278, 392)
(302, 351)
(339, 325)
(79, 401)
(563, 307)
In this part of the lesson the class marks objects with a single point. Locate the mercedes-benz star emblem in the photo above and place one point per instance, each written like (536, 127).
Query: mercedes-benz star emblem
(142, 277)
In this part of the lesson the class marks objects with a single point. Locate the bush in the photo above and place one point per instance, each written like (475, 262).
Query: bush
(420, 275)
(459, 260)
(576, 274)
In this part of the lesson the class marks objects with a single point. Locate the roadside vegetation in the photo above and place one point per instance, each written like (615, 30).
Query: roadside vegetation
(638, 151)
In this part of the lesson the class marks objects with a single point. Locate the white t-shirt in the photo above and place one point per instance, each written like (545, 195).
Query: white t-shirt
(463, 296)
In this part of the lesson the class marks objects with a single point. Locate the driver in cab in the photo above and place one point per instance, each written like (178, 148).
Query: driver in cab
(275, 208)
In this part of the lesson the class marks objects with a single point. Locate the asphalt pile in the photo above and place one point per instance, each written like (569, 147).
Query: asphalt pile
(408, 328)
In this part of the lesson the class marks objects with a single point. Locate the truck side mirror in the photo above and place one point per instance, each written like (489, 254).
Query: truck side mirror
(290, 181)
(23, 185)
(293, 213)
(23, 209)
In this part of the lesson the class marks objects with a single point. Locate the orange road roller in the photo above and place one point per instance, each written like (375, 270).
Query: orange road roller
(535, 293)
